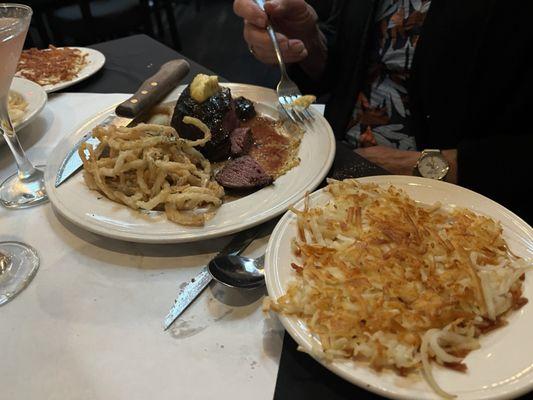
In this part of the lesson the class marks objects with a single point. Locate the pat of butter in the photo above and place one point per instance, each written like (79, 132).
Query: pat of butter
(203, 87)
(304, 101)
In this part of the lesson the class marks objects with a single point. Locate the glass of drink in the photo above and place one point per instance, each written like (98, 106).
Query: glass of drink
(18, 265)
(18, 261)
(26, 187)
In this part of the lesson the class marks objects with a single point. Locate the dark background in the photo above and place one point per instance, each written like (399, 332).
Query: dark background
(206, 31)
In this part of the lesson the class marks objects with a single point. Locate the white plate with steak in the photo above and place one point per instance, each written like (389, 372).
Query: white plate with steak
(284, 175)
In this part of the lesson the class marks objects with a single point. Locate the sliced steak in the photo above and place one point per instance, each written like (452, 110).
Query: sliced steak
(241, 140)
(243, 173)
(217, 112)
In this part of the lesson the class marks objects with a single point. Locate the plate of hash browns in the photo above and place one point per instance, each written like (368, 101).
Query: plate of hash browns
(171, 178)
(57, 68)
(407, 287)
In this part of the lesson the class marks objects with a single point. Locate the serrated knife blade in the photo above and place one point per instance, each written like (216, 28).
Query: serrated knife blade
(187, 296)
(196, 286)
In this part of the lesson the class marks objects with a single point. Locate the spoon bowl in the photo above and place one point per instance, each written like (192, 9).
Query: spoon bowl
(238, 272)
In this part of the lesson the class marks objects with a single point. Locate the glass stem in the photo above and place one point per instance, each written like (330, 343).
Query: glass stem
(25, 167)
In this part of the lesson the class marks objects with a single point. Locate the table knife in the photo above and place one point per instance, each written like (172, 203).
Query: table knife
(197, 285)
(149, 93)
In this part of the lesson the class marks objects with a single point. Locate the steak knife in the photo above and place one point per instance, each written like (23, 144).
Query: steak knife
(149, 93)
(197, 285)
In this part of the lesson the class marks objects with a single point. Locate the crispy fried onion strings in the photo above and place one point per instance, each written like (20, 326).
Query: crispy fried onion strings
(149, 167)
(397, 283)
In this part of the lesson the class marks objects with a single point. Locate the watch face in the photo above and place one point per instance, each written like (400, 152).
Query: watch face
(433, 166)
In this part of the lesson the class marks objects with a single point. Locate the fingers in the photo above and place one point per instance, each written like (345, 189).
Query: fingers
(282, 5)
(249, 11)
(292, 50)
(291, 8)
(255, 22)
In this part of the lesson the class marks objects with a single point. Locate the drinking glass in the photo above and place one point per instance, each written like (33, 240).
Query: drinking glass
(18, 261)
(26, 187)
(18, 265)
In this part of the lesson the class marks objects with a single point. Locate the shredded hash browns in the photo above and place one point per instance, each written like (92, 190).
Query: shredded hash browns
(52, 65)
(149, 167)
(398, 283)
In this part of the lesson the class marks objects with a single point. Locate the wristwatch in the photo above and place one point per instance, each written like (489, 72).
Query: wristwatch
(432, 164)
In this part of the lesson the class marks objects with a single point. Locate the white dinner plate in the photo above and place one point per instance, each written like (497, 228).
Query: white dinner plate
(95, 61)
(34, 95)
(91, 211)
(502, 368)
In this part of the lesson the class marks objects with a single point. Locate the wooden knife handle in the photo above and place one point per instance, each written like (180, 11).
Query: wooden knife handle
(154, 89)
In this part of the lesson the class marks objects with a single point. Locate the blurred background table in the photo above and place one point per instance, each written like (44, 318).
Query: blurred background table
(129, 61)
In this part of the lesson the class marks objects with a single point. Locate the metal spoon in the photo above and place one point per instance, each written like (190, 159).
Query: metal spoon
(238, 272)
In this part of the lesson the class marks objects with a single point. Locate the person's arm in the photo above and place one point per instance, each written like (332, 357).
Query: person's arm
(451, 157)
(497, 166)
(402, 162)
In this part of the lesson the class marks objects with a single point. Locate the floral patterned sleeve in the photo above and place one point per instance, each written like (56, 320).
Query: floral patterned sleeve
(382, 107)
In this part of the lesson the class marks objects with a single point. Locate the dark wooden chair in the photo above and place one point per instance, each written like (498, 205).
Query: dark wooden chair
(84, 22)
(166, 9)
(169, 9)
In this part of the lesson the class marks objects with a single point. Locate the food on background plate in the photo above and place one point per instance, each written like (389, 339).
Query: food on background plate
(52, 65)
(149, 167)
(16, 107)
(399, 284)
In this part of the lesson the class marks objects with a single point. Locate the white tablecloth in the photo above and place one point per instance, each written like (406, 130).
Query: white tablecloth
(89, 326)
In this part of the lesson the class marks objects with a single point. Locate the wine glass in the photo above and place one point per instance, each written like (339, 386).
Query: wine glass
(18, 265)
(26, 187)
(18, 261)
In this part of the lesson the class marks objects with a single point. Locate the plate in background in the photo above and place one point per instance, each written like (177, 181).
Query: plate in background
(34, 95)
(95, 61)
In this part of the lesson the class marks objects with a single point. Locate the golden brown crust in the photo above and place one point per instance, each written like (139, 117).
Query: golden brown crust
(51, 66)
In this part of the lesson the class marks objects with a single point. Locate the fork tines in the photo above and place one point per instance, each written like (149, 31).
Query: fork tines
(296, 114)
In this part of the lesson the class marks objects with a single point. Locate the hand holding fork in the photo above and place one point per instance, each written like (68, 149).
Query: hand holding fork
(294, 49)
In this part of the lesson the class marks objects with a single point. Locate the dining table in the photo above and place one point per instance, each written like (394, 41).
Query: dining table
(89, 325)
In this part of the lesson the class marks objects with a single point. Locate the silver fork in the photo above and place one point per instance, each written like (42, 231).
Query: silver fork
(287, 90)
